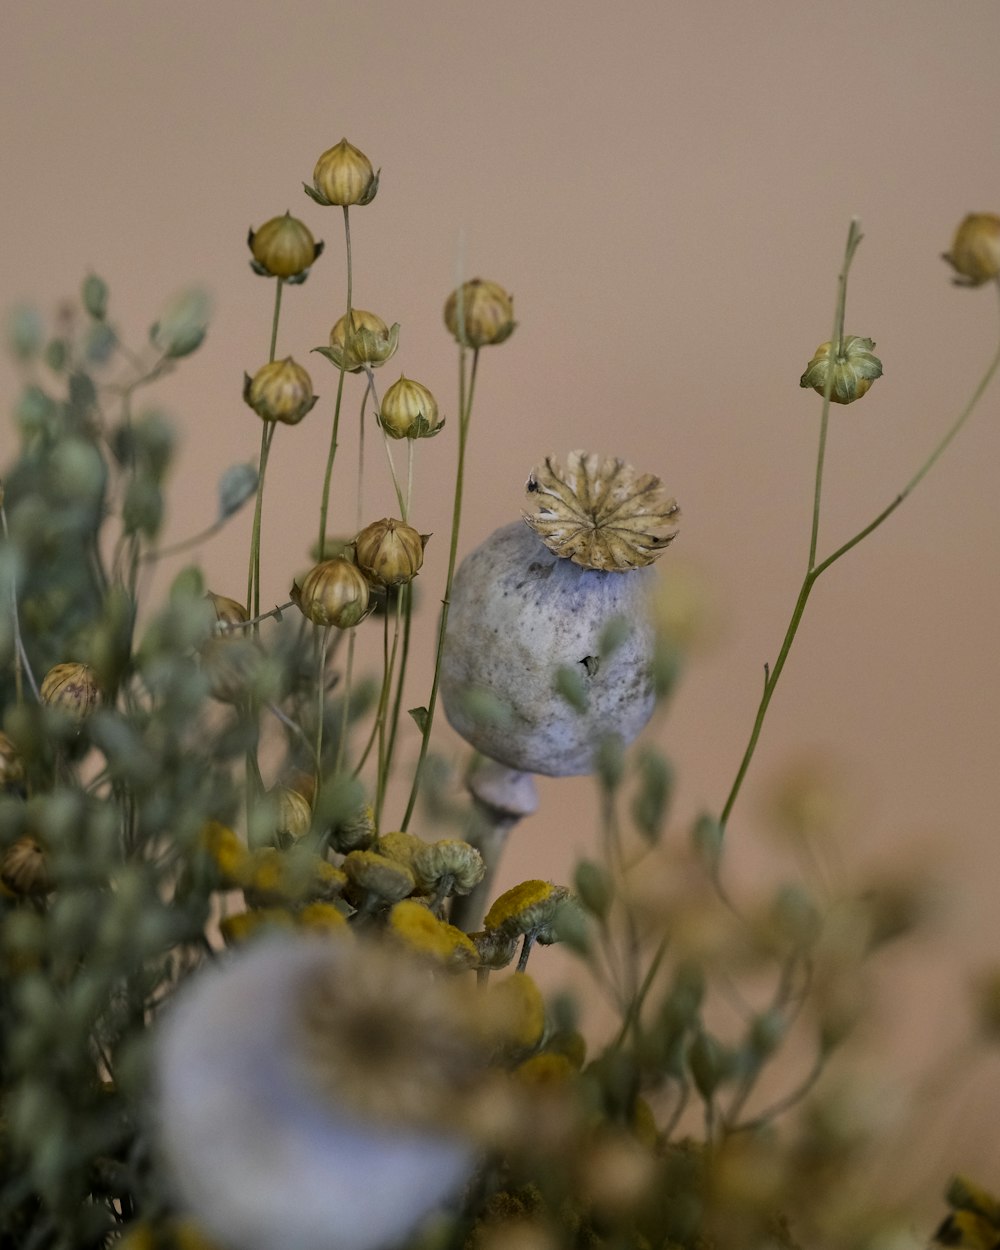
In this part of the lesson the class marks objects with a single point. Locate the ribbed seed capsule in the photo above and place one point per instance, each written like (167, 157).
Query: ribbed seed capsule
(283, 248)
(229, 614)
(390, 552)
(11, 764)
(480, 313)
(24, 868)
(409, 410)
(334, 592)
(72, 688)
(343, 176)
(280, 391)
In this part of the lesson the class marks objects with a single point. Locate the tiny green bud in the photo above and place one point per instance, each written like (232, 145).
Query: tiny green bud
(95, 296)
(710, 1062)
(854, 366)
(181, 326)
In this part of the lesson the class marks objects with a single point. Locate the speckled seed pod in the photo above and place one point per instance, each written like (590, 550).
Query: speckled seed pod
(519, 615)
(72, 688)
(343, 176)
(390, 552)
(480, 313)
(334, 592)
(283, 248)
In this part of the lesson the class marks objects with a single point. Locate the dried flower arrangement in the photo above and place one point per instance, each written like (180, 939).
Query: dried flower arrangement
(245, 1007)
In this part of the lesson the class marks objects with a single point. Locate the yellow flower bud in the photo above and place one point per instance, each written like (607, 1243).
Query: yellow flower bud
(72, 688)
(855, 367)
(975, 251)
(390, 552)
(414, 922)
(370, 342)
(409, 410)
(280, 391)
(283, 248)
(343, 176)
(526, 909)
(334, 592)
(479, 313)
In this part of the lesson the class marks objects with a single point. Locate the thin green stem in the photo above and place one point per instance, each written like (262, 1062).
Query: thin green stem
(466, 391)
(332, 453)
(267, 434)
(817, 569)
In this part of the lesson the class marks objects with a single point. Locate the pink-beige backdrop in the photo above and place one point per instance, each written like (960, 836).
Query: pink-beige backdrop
(665, 187)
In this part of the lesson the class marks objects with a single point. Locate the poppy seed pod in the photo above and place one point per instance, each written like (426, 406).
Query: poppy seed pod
(975, 250)
(480, 313)
(333, 592)
(343, 176)
(390, 552)
(283, 248)
(545, 658)
(280, 391)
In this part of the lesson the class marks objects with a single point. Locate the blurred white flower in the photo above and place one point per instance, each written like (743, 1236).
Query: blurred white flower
(263, 1111)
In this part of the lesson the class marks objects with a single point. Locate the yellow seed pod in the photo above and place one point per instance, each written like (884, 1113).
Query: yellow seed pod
(479, 313)
(975, 251)
(229, 613)
(525, 909)
(24, 868)
(280, 391)
(514, 1011)
(409, 410)
(415, 924)
(390, 552)
(72, 688)
(11, 764)
(855, 367)
(343, 176)
(366, 341)
(386, 879)
(283, 248)
(333, 592)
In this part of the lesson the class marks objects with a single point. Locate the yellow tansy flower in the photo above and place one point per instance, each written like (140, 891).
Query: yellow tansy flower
(420, 928)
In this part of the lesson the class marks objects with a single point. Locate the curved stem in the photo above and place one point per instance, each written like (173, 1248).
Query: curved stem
(817, 569)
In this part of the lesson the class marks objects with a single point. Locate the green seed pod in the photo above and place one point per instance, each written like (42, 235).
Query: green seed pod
(855, 367)
(369, 342)
(334, 592)
(343, 176)
(280, 391)
(283, 248)
(409, 410)
(480, 313)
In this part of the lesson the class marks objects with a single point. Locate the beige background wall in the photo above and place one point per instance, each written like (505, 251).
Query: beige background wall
(666, 188)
